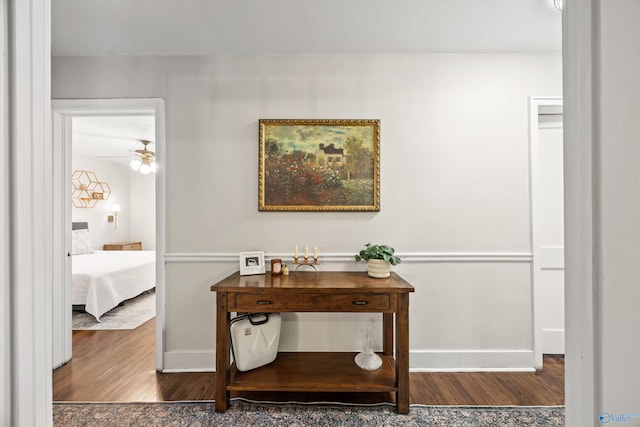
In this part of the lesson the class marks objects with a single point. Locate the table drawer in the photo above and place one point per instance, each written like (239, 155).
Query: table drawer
(312, 302)
(132, 247)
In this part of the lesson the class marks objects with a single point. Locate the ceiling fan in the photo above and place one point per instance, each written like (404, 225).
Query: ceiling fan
(143, 160)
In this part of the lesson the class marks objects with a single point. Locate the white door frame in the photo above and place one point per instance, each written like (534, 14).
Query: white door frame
(25, 203)
(535, 105)
(63, 111)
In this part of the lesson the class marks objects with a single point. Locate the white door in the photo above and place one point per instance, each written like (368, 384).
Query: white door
(548, 230)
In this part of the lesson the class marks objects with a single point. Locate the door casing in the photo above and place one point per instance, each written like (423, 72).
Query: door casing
(535, 105)
(62, 113)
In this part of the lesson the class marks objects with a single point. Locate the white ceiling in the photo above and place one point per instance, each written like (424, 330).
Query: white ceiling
(210, 27)
(112, 138)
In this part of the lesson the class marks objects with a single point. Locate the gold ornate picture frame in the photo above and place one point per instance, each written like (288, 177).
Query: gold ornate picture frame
(319, 165)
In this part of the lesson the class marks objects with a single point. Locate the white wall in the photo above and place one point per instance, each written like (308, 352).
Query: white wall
(117, 176)
(142, 200)
(454, 180)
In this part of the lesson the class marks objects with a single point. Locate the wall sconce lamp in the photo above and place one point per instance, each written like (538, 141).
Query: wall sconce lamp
(113, 217)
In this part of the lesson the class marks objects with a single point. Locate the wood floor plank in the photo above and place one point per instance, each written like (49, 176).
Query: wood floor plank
(119, 366)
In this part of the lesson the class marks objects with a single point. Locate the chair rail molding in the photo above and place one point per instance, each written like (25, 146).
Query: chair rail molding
(341, 257)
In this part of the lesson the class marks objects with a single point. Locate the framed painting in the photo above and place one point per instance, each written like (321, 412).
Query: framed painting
(319, 165)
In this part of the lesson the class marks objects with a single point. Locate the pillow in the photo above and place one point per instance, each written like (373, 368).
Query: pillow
(80, 243)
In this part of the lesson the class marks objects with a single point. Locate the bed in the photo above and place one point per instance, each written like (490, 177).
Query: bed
(101, 280)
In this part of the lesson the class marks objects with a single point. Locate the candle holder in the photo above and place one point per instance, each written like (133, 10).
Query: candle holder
(306, 262)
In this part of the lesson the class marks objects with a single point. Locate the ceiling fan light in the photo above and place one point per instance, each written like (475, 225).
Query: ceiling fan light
(145, 169)
(135, 164)
(142, 160)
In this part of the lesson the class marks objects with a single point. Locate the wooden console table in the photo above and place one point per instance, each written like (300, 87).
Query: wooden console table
(317, 371)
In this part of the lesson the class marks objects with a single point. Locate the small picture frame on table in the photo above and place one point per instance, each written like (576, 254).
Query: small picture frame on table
(252, 263)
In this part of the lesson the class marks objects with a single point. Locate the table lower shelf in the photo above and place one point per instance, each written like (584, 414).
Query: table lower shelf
(315, 371)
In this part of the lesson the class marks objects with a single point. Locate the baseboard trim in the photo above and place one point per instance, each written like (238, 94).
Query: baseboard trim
(416, 257)
(189, 361)
(420, 361)
(472, 361)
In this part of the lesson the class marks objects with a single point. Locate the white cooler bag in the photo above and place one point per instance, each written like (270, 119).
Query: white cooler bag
(254, 339)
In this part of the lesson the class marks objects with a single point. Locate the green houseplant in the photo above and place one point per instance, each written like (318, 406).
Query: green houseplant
(379, 259)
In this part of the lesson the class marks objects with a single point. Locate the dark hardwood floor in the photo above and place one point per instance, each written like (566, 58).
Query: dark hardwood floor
(119, 366)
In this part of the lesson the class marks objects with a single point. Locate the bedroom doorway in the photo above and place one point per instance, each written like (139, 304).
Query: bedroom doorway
(123, 215)
(113, 223)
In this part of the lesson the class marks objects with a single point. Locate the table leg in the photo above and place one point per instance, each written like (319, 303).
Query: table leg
(402, 353)
(387, 334)
(222, 352)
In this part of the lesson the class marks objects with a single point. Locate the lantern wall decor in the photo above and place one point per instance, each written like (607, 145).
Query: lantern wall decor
(87, 189)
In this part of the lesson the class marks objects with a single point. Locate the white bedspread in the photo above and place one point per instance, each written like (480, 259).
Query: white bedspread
(104, 279)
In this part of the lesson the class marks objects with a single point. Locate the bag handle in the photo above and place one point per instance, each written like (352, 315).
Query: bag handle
(258, 322)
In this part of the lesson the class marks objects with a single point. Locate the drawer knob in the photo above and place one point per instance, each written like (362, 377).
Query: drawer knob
(264, 302)
(360, 302)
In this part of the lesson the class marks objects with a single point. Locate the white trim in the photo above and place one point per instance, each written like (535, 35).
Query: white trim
(175, 257)
(61, 213)
(189, 361)
(499, 257)
(420, 361)
(416, 257)
(550, 125)
(583, 252)
(108, 106)
(161, 237)
(5, 249)
(536, 103)
(29, 75)
(128, 106)
(471, 361)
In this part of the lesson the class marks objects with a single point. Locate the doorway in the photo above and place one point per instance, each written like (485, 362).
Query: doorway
(547, 226)
(64, 113)
(116, 262)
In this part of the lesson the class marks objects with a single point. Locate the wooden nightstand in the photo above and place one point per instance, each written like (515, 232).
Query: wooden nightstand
(123, 246)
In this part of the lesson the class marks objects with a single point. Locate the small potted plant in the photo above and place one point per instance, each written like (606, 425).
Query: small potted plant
(379, 259)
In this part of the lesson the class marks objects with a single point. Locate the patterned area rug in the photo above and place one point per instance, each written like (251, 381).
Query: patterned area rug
(247, 413)
(130, 315)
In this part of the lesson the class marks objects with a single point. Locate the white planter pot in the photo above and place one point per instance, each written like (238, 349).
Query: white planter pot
(379, 268)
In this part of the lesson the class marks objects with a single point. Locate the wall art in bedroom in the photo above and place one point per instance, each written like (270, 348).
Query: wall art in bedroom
(319, 165)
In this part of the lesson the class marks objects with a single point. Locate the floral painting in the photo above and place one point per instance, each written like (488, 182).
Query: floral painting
(319, 165)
